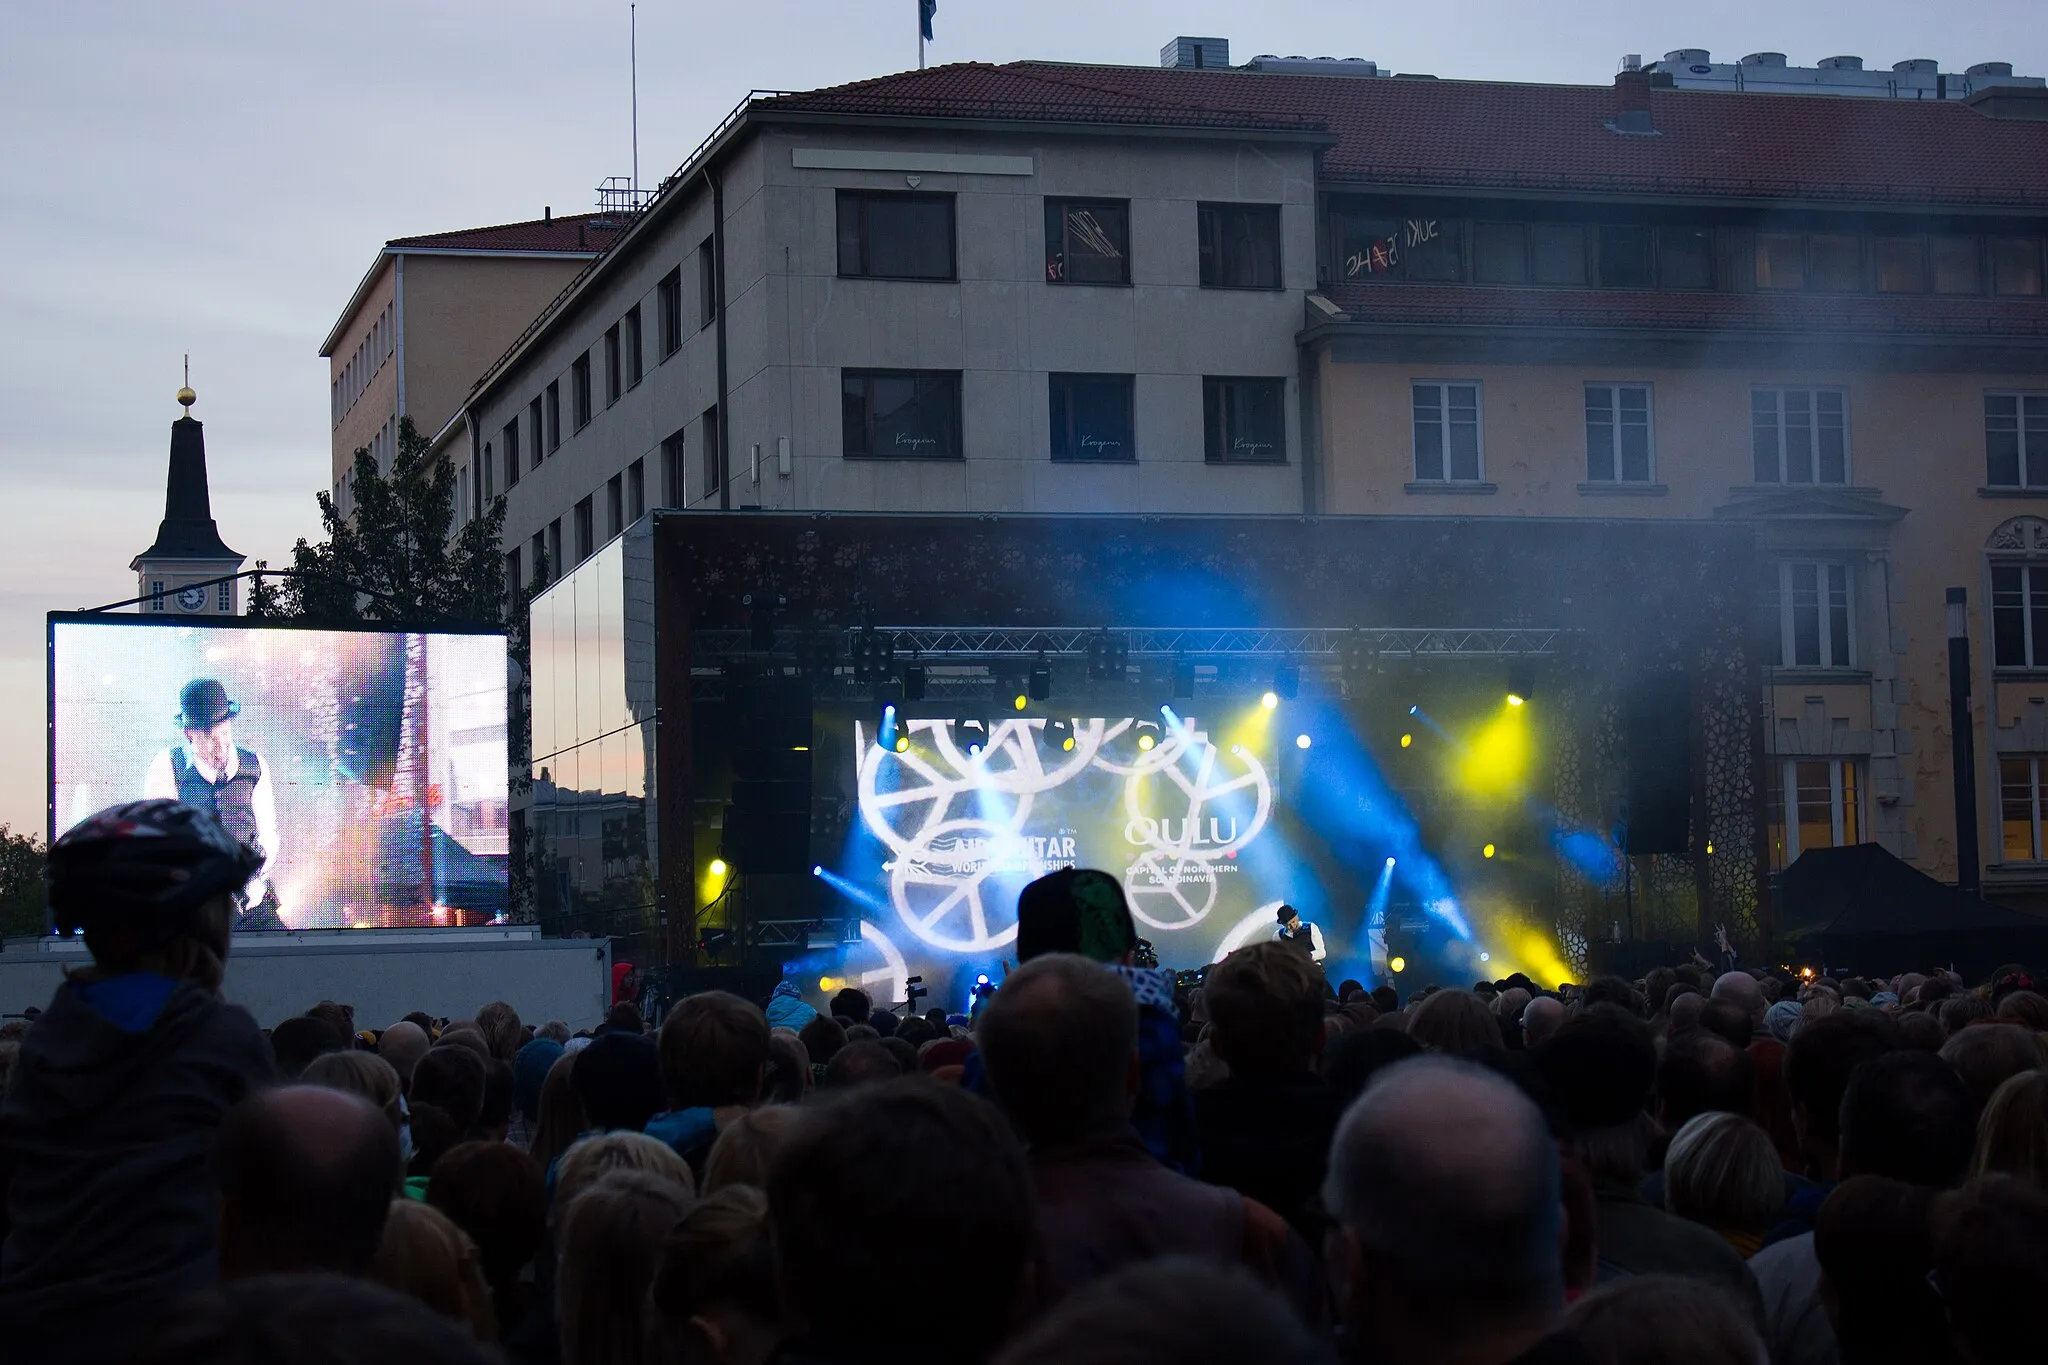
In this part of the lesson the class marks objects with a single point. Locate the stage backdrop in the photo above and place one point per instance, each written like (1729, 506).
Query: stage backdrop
(381, 753)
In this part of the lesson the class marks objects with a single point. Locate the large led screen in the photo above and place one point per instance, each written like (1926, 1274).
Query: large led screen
(367, 766)
(954, 817)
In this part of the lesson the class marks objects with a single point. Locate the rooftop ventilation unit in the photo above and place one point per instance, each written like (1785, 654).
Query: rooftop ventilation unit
(1195, 54)
(1764, 59)
(1314, 66)
(1840, 64)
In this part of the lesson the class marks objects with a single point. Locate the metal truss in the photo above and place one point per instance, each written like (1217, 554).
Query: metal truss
(964, 644)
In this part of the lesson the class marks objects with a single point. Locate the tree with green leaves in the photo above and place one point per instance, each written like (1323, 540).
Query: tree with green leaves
(394, 559)
(22, 898)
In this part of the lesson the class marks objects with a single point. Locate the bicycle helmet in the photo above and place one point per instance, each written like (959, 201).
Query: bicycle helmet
(141, 870)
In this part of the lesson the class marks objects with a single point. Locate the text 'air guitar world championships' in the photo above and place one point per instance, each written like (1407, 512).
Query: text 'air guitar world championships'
(959, 815)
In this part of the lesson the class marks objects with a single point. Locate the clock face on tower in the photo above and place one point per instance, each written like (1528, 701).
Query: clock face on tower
(192, 599)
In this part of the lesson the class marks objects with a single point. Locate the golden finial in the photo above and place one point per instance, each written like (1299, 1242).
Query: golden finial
(186, 398)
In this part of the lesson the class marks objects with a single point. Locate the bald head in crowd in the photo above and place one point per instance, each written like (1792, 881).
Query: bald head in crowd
(306, 1175)
(402, 1045)
(1060, 1041)
(1540, 1019)
(1445, 1183)
(1741, 989)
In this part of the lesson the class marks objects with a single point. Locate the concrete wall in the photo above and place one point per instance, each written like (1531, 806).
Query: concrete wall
(1916, 441)
(793, 324)
(378, 403)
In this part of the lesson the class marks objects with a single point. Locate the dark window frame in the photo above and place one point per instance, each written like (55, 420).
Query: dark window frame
(1617, 443)
(1783, 424)
(675, 450)
(636, 354)
(553, 411)
(612, 387)
(636, 491)
(863, 202)
(867, 378)
(712, 464)
(1901, 248)
(585, 524)
(668, 310)
(580, 405)
(2019, 613)
(1212, 228)
(536, 417)
(511, 438)
(1222, 408)
(1626, 256)
(1447, 433)
(2029, 269)
(2027, 425)
(614, 505)
(1059, 234)
(1061, 386)
(707, 283)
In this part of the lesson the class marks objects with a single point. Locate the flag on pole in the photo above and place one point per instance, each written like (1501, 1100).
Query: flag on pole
(926, 9)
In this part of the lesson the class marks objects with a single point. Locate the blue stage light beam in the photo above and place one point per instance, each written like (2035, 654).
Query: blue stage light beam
(869, 902)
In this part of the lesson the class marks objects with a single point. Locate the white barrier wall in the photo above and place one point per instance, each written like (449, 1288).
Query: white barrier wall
(385, 975)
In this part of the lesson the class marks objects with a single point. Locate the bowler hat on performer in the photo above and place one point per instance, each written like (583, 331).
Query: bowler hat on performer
(203, 703)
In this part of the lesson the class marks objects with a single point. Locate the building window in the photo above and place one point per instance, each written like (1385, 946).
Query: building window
(636, 492)
(579, 390)
(707, 283)
(156, 594)
(1834, 262)
(2016, 440)
(510, 437)
(1088, 241)
(713, 461)
(674, 491)
(514, 584)
(1244, 421)
(536, 424)
(615, 506)
(1780, 260)
(1799, 436)
(554, 415)
(2019, 615)
(226, 596)
(1624, 257)
(1092, 417)
(635, 354)
(2019, 800)
(892, 235)
(540, 559)
(1617, 433)
(1446, 433)
(2015, 265)
(1820, 796)
(1685, 258)
(1557, 253)
(1900, 264)
(586, 533)
(1371, 246)
(900, 414)
(486, 473)
(1957, 268)
(1500, 253)
(555, 565)
(611, 365)
(668, 312)
(1811, 606)
(1239, 245)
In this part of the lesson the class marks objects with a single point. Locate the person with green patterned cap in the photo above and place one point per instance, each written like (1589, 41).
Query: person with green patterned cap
(1080, 910)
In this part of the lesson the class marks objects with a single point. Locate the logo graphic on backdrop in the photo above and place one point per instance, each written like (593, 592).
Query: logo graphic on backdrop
(971, 811)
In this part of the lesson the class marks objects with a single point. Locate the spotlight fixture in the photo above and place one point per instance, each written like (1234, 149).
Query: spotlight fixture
(1486, 957)
(1287, 680)
(1021, 701)
(1358, 662)
(1521, 681)
(913, 681)
(718, 867)
(1040, 681)
(903, 744)
(1407, 740)
(1270, 700)
(817, 869)
(1302, 741)
(715, 942)
(1109, 657)
(1398, 964)
(1486, 852)
(1390, 860)
(1145, 742)
(874, 655)
(1183, 678)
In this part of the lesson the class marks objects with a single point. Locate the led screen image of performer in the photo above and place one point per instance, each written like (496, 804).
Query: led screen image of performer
(211, 772)
(1295, 930)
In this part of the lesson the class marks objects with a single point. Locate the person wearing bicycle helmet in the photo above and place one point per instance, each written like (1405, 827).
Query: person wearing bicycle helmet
(107, 1127)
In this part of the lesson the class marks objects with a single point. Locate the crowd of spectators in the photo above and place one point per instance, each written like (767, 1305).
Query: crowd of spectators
(1104, 1165)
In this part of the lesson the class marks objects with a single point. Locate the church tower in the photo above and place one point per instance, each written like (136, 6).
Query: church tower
(188, 548)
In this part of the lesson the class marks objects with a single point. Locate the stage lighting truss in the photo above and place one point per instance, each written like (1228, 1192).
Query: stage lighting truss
(952, 816)
(1109, 656)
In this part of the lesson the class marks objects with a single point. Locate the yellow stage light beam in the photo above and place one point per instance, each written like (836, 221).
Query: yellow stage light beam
(1498, 758)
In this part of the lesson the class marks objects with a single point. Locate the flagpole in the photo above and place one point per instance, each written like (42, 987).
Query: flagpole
(920, 35)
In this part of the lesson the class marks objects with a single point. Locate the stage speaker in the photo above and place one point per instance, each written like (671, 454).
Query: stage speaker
(768, 824)
(1657, 731)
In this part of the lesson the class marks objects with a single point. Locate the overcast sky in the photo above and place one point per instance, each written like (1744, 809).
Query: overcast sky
(215, 177)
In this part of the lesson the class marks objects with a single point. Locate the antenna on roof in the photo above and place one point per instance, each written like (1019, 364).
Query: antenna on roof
(633, 58)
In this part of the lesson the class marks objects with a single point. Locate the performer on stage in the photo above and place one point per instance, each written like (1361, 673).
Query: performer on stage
(1299, 932)
(229, 783)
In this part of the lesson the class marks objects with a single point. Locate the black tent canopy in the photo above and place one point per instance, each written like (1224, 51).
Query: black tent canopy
(1860, 908)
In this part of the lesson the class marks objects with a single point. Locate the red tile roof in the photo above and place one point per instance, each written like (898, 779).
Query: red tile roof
(1536, 137)
(570, 234)
(1468, 305)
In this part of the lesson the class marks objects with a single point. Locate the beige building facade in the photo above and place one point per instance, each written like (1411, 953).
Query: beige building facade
(430, 315)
